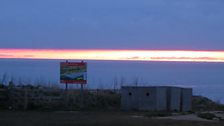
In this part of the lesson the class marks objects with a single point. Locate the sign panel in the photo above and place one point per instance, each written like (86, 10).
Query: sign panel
(73, 72)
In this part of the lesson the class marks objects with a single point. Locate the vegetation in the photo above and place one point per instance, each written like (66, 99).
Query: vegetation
(47, 99)
(92, 100)
(200, 103)
(207, 115)
(98, 100)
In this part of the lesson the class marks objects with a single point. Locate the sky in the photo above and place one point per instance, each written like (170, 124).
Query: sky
(112, 24)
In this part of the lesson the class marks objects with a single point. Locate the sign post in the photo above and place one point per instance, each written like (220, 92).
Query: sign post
(73, 73)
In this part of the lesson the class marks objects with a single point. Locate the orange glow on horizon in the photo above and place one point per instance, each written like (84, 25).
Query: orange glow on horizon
(132, 55)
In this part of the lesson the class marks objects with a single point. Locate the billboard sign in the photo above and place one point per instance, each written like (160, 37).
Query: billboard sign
(73, 72)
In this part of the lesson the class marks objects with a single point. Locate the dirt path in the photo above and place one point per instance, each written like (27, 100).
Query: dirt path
(194, 117)
(67, 118)
(190, 117)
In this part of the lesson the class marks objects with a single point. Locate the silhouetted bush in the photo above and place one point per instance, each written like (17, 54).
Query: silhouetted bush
(201, 103)
(209, 116)
(102, 100)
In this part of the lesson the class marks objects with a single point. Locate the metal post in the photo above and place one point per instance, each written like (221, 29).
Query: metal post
(66, 87)
(66, 94)
(82, 96)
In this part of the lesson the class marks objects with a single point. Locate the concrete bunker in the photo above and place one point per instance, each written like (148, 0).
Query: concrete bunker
(156, 98)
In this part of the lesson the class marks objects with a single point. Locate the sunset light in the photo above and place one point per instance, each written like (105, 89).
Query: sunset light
(132, 55)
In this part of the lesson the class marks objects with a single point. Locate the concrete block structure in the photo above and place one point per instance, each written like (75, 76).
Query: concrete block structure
(186, 99)
(173, 98)
(156, 98)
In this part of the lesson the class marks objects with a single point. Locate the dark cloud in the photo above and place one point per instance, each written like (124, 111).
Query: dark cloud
(187, 58)
(28, 56)
(5, 55)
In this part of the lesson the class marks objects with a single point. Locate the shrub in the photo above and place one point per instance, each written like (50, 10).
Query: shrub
(207, 115)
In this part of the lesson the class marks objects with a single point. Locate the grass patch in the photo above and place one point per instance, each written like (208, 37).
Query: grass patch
(207, 115)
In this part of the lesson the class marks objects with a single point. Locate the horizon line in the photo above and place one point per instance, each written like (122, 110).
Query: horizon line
(114, 54)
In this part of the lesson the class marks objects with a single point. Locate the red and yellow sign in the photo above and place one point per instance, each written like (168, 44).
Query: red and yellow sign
(73, 72)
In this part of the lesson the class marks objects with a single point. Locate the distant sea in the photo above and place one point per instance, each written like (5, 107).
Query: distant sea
(206, 79)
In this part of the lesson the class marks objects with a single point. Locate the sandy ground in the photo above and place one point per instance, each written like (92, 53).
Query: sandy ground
(193, 117)
(190, 117)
